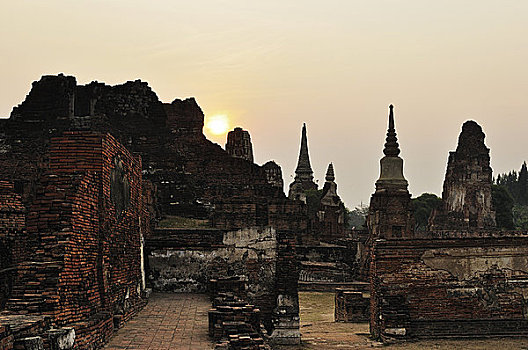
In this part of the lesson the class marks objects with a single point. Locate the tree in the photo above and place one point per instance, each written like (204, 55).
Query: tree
(503, 204)
(423, 206)
(520, 217)
(357, 217)
(523, 185)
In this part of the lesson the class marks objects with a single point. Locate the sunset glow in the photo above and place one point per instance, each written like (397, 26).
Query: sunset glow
(217, 124)
(273, 65)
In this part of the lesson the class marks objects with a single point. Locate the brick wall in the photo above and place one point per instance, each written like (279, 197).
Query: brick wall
(83, 238)
(12, 225)
(184, 260)
(6, 338)
(459, 285)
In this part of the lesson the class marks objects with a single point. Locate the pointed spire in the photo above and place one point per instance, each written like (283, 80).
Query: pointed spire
(391, 174)
(329, 197)
(391, 145)
(304, 169)
(330, 173)
(303, 174)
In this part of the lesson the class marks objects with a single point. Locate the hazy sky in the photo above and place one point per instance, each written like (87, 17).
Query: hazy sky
(272, 65)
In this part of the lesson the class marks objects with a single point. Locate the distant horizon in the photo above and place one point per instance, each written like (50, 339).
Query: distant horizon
(271, 66)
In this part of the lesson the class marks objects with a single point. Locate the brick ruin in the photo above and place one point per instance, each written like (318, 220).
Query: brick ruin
(118, 165)
(76, 255)
(274, 174)
(239, 145)
(327, 251)
(460, 278)
(330, 220)
(106, 191)
(466, 196)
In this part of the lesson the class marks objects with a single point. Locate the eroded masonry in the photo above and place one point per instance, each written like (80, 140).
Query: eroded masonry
(107, 193)
(463, 276)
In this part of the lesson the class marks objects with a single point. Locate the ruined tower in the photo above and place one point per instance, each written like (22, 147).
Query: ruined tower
(466, 195)
(329, 196)
(303, 173)
(274, 174)
(239, 144)
(331, 214)
(390, 214)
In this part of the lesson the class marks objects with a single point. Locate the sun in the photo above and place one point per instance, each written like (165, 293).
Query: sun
(217, 124)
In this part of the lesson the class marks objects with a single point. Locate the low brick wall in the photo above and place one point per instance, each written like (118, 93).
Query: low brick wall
(183, 265)
(351, 305)
(459, 285)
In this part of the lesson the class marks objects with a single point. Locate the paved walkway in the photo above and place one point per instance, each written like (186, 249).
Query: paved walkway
(169, 321)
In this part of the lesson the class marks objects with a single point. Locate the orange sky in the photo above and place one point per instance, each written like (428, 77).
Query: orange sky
(270, 66)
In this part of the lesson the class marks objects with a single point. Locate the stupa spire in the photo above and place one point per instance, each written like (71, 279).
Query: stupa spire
(391, 174)
(330, 176)
(303, 173)
(392, 149)
(304, 169)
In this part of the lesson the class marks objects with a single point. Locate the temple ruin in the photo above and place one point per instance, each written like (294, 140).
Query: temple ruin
(239, 145)
(108, 194)
(139, 177)
(462, 278)
(466, 198)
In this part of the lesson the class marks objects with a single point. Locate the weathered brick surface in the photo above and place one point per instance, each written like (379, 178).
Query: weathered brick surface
(230, 320)
(16, 327)
(234, 323)
(187, 265)
(352, 305)
(6, 338)
(83, 238)
(189, 175)
(239, 145)
(274, 174)
(466, 195)
(450, 287)
(188, 171)
(12, 226)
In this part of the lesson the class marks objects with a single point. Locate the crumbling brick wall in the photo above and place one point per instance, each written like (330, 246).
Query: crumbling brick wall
(466, 195)
(179, 263)
(83, 238)
(452, 284)
(12, 225)
(189, 175)
(188, 171)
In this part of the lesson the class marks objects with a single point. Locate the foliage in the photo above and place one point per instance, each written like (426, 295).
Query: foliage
(520, 216)
(357, 217)
(423, 206)
(516, 184)
(503, 204)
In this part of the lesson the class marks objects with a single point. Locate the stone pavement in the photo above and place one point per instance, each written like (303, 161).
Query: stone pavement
(169, 321)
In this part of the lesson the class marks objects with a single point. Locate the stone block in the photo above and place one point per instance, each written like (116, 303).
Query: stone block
(62, 338)
(29, 343)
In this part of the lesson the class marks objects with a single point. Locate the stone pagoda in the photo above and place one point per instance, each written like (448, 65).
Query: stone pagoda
(303, 173)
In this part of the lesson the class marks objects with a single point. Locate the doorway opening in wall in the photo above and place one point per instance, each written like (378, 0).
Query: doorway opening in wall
(322, 328)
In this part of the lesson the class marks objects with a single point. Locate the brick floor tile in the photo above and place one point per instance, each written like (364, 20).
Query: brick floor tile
(169, 321)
